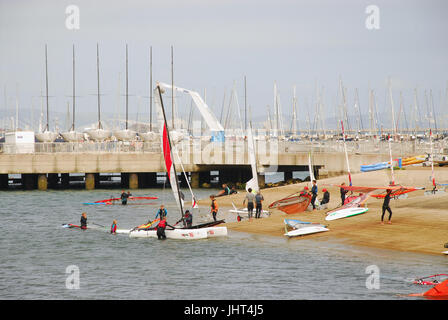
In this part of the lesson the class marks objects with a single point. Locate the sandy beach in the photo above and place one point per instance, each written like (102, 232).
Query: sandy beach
(419, 223)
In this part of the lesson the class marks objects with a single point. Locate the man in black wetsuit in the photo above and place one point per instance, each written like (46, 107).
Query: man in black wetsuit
(386, 206)
(343, 193)
(84, 221)
(124, 197)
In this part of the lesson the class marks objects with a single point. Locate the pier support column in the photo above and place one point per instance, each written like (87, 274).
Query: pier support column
(42, 182)
(29, 181)
(261, 180)
(204, 177)
(90, 181)
(4, 181)
(288, 175)
(65, 180)
(195, 179)
(133, 181)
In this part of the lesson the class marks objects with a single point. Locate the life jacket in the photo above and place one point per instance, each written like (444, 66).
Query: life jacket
(214, 206)
(162, 224)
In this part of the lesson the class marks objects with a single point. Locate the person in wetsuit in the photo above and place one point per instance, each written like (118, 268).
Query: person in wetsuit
(161, 229)
(250, 197)
(161, 212)
(314, 194)
(326, 197)
(187, 218)
(386, 206)
(258, 205)
(124, 197)
(83, 221)
(343, 193)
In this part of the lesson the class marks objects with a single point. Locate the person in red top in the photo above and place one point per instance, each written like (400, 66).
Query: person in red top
(161, 229)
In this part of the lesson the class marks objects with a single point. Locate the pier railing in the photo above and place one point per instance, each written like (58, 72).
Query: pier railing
(399, 149)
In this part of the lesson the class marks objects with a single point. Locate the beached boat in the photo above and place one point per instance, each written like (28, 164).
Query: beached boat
(301, 228)
(292, 204)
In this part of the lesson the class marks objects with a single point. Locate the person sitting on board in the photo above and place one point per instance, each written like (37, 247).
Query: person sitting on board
(113, 227)
(225, 191)
(124, 197)
(258, 205)
(83, 221)
(213, 207)
(161, 212)
(343, 193)
(233, 190)
(386, 206)
(187, 218)
(314, 194)
(161, 229)
(325, 200)
(250, 197)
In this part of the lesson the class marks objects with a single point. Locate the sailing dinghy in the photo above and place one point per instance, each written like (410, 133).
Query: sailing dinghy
(202, 231)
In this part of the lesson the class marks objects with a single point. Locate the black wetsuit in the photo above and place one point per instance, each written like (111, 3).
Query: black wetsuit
(326, 198)
(386, 207)
(343, 193)
(258, 205)
(313, 198)
(83, 223)
(124, 197)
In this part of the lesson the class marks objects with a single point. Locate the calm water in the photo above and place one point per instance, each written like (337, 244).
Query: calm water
(35, 252)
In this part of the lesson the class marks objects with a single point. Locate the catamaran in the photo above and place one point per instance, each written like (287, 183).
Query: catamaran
(201, 231)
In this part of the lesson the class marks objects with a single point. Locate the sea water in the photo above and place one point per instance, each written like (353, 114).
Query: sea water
(42, 260)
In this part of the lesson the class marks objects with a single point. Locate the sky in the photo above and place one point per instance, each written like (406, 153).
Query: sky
(216, 43)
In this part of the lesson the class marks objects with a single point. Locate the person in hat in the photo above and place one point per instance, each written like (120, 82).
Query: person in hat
(304, 192)
(325, 199)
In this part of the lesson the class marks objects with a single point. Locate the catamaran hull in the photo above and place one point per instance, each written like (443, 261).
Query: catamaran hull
(345, 213)
(214, 232)
(180, 234)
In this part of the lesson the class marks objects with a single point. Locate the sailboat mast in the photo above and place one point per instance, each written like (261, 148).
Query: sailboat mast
(172, 88)
(46, 87)
(171, 158)
(127, 87)
(73, 121)
(150, 88)
(98, 82)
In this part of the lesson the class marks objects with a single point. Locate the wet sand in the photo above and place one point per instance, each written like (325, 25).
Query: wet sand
(419, 223)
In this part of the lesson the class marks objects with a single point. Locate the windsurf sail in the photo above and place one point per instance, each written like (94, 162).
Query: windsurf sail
(292, 204)
(132, 199)
(396, 190)
(310, 168)
(252, 183)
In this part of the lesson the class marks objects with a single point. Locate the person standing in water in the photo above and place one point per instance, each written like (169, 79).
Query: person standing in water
(161, 212)
(387, 207)
(124, 197)
(161, 229)
(83, 221)
(213, 207)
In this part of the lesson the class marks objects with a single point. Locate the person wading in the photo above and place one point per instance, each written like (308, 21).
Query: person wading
(161, 229)
(83, 221)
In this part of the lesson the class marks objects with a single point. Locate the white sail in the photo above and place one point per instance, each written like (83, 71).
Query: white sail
(252, 183)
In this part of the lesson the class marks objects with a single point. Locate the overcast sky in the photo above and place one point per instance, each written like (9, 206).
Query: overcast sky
(217, 42)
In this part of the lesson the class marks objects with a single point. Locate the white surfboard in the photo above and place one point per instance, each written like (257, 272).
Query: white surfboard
(445, 252)
(345, 213)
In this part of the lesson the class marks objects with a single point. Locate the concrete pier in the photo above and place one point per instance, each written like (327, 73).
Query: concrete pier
(42, 182)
